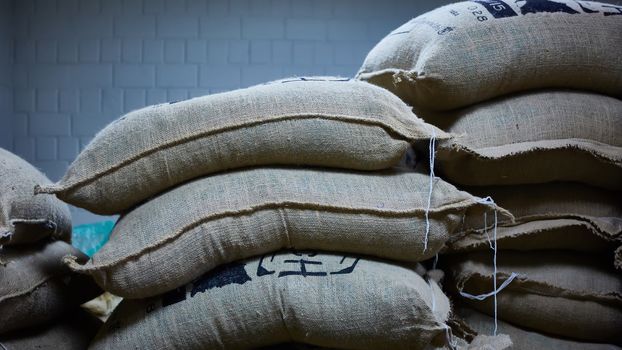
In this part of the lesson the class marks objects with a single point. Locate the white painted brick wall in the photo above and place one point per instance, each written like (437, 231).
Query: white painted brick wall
(6, 80)
(76, 65)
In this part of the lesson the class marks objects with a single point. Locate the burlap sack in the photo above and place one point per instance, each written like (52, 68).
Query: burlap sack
(102, 306)
(191, 229)
(24, 217)
(480, 342)
(292, 346)
(36, 287)
(524, 339)
(328, 300)
(534, 138)
(472, 51)
(567, 216)
(331, 123)
(73, 332)
(569, 294)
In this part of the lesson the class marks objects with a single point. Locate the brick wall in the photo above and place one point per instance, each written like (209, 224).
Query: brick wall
(79, 64)
(6, 80)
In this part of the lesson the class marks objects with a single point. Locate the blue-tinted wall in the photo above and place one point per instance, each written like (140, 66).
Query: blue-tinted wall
(75, 65)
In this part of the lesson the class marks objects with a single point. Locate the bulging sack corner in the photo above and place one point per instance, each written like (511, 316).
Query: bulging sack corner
(72, 262)
(47, 189)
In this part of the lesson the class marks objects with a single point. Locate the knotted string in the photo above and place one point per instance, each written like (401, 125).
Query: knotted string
(493, 245)
(430, 187)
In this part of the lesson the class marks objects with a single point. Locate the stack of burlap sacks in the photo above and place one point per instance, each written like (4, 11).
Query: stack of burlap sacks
(213, 191)
(531, 90)
(39, 295)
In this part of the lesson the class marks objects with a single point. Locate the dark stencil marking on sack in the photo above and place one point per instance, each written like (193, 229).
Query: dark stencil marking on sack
(302, 263)
(538, 6)
(220, 277)
(262, 271)
(497, 8)
(174, 296)
(585, 9)
(440, 29)
(305, 265)
(617, 10)
(348, 269)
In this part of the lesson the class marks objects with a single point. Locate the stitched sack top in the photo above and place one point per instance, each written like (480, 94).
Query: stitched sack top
(36, 287)
(24, 217)
(332, 300)
(471, 51)
(569, 294)
(523, 338)
(323, 121)
(534, 137)
(552, 216)
(177, 236)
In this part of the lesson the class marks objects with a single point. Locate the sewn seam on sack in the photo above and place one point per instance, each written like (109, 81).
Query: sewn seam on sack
(524, 284)
(457, 147)
(477, 235)
(27, 291)
(459, 205)
(407, 132)
(476, 239)
(591, 220)
(369, 75)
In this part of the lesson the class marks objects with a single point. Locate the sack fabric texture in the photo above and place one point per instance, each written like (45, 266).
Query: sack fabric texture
(471, 51)
(73, 332)
(179, 235)
(522, 338)
(24, 217)
(328, 122)
(534, 137)
(569, 294)
(564, 216)
(337, 301)
(37, 287)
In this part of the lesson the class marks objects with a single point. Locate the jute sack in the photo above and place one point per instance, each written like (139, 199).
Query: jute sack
(534, 138)
(327, 122)
(567, 216)
(179, 235)
(292, 346)
(37, 288)
(102, 306)
(472, 51)
(338, 301)
(525, 339)
(24, 217)
(569, 294)
(72, 332)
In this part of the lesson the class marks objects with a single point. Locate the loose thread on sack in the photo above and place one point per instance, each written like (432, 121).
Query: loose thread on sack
(433, 297)
(486, 231)
(493, 245)
(432, 176)
(451, 342)
(5, 235)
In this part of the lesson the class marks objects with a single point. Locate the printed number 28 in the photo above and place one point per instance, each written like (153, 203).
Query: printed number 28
(477, 13)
